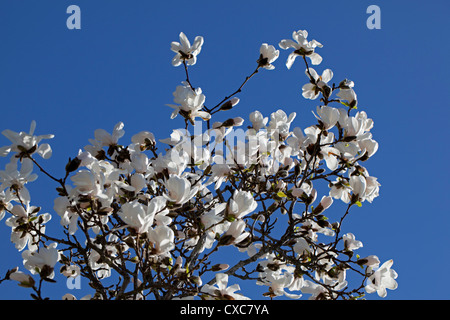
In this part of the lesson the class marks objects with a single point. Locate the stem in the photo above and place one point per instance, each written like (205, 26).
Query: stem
(235, 92)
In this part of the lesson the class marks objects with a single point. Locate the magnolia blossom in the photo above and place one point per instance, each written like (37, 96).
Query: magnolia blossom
(135, 216)
(279, 124)
(371, 261)
(302, 47)
(318, 83)
(268, 54)
(184, 51)
(219, 173)
(72, 271)
(25, 280)
(179, 190)
(105, 139)
(69, 217)
(340, 189)
(16, 179)
(301, 246)
(324, 204)
(5, 202)
(221, 289)
(144, 139)
(42, 261)
(235, 233)
(383, 278)
(189, 102)
(358, 185)
(21, 217)
(27, 142)
(241, 204)
(350, 242)
(346, 93)
(278, 283)
(328, 116)
(257, 120)
(161, 239)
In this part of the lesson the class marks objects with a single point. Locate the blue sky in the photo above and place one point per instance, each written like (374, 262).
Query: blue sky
(117, 68)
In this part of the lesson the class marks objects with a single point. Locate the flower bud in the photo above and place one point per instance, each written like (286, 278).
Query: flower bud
(228, 105)
(25, 280)
(324, 204)
(220, 267)
(370, 261)
(346, 84)
(228, 123)
(73, 164)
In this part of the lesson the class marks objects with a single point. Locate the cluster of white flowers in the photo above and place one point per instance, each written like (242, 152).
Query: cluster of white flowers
(167, 213)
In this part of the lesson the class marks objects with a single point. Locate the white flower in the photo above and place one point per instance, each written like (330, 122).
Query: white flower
(139, 162)
(312, 89)
(221, 290)
(328, 116)
(358, 185)
(138, 181)
(324, 204)
(346, 93)
(21, 217)
(369, 147)
(39, 261)
(23, 141)
(280, 123)
(309, 287)
(241, 204)
(16, 180)
(372, 188)
(350, 242)
(219, 173)
(102, 269)
(5, 202)
(301, 246)
(257, 120)
(72, 271)
(302, 47)
(371, 261)
(235, 233)
(135, 216)
(69, 217)
(141, 218)
(184, 51)
(157, 209)
(106, 139)
(268, 54)
(278, 282)
(340, 189)
(189, 103)
(162, 239)
(25, 280)
(179, 190)
(144, 139)
(383, 278)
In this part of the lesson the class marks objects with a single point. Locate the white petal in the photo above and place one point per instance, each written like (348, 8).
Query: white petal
(45, 151)
(288, 43)
(290, 60)
(327, 75)
(184, 41)
(316, 59)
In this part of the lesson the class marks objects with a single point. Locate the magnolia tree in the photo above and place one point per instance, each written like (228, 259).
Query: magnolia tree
(144, 221)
